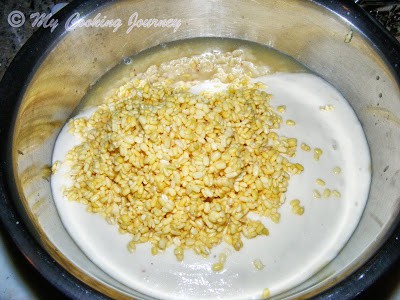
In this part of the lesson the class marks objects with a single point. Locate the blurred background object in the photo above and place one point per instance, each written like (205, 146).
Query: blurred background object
(386, 12)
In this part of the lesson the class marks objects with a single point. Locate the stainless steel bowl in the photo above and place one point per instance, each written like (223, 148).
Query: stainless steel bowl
(53, 71)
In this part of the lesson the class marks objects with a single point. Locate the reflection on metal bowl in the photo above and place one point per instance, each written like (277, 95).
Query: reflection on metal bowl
(55, 69)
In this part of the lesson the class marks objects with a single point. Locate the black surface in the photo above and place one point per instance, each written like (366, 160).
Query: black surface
(359, 284)
(12, 87)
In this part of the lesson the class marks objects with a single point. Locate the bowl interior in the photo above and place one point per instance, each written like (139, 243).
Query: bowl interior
(307, 31)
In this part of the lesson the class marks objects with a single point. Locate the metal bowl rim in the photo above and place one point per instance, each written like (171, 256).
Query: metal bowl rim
(31, 54)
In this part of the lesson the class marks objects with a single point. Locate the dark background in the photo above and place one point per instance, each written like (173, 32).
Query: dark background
(11, 39)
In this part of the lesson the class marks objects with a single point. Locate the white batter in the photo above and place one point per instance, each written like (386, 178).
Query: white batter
(296, 248)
